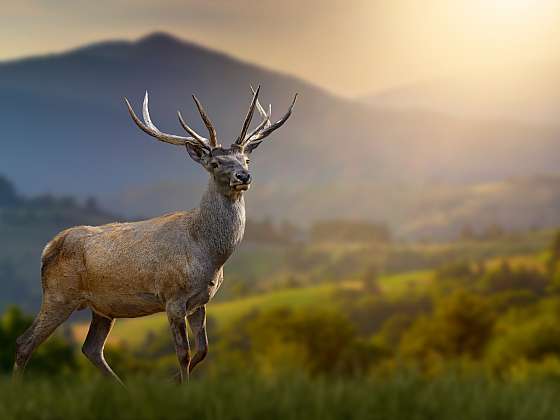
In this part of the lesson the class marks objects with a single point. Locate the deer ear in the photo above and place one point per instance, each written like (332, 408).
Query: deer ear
(198, 154)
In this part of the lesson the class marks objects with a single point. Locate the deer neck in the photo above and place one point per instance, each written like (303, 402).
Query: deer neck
(220, 221)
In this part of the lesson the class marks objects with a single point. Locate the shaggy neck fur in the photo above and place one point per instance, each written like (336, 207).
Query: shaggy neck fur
(221, 220)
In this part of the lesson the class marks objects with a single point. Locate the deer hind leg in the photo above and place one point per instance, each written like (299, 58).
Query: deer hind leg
(197, 321)
(53, 312)
(99, 330)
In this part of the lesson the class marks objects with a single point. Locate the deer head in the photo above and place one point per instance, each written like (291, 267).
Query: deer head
(228, 166)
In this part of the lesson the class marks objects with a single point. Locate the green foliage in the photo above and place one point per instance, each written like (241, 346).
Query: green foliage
(527, 334)
(314, 341)
(504, 278)
(12, 324)
(460, 325)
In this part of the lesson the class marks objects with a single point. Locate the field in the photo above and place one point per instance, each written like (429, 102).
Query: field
(405, 397)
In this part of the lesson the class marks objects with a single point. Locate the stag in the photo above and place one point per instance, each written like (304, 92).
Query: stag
(172, 263)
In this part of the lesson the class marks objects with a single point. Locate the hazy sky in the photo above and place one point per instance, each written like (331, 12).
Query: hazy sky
(350, 47)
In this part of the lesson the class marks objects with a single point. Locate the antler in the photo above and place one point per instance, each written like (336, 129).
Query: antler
(148, 127)
(241, 139)
(213, 142)
(251, 140)
(265, 117)
(265, 128)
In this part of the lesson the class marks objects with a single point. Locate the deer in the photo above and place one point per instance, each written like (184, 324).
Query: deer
(172, 263)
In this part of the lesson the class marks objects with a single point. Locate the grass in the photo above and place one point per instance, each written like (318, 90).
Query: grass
(406, 397)
(403, 282)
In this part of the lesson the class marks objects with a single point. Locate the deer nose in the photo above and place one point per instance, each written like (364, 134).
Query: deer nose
(244, 177)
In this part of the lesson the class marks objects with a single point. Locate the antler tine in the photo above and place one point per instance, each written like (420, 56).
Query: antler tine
(258, 137)
(198, 137)
(149, 128)
(264, 123)
(259, 106)
(265, 118)
(241, 139)
(207, 122)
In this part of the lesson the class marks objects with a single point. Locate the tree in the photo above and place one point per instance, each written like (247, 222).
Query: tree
(461, 325)
(505, 278)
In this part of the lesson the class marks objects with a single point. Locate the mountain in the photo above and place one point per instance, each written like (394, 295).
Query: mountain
(528, 92)
(65, 130)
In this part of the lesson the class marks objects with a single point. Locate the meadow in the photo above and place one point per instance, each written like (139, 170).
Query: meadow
(406, 397)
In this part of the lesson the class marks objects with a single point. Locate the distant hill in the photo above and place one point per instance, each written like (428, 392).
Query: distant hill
(527, 92)
(434, 210)
(65, 130)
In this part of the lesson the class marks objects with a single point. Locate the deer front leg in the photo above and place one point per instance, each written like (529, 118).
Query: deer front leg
(176, 313)
(197, 322)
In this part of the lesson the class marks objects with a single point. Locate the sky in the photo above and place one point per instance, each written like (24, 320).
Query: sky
(352, 48)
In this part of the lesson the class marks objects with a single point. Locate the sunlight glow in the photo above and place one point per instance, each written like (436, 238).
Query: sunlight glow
(513, 6)
(519, 10)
